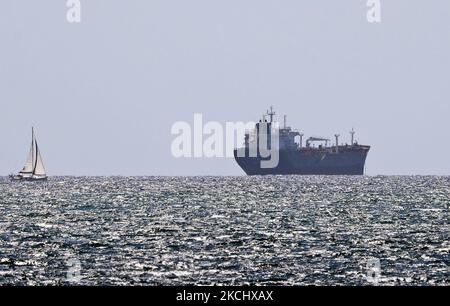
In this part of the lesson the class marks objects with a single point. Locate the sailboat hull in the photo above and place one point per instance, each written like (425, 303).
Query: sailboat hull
(30, 178)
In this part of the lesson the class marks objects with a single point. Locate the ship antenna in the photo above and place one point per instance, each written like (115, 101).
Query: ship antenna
(271, 113)
(285, 116)
(352, 133)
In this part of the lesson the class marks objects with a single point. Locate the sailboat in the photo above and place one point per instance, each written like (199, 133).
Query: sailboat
(34, 167)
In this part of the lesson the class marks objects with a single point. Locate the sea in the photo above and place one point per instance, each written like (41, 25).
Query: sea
(273, 230)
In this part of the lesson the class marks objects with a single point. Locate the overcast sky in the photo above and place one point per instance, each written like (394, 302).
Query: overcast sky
(103, 94)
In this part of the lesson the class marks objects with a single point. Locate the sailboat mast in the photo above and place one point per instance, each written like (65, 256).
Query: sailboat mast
(36, 152)
(36, 158)
(33, 150)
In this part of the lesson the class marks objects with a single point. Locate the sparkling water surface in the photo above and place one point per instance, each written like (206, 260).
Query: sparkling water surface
(275, 230)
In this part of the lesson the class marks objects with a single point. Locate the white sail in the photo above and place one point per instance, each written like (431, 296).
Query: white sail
(29, 164)
(34, 167)
(28, 168)
(39, 165)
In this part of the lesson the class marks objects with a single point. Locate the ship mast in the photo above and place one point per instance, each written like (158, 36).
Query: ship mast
(33, 149)
(271, 113)
(352, 133)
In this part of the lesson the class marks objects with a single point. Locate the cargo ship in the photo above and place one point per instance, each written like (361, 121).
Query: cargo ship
(318, 156)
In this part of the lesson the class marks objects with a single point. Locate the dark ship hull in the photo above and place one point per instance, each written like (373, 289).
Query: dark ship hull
(348, 160)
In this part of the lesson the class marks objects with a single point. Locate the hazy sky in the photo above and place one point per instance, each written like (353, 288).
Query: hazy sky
(103, 94)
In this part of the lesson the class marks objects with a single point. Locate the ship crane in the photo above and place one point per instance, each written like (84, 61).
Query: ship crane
(312, 139)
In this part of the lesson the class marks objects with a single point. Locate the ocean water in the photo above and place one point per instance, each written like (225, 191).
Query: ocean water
(279, 230)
